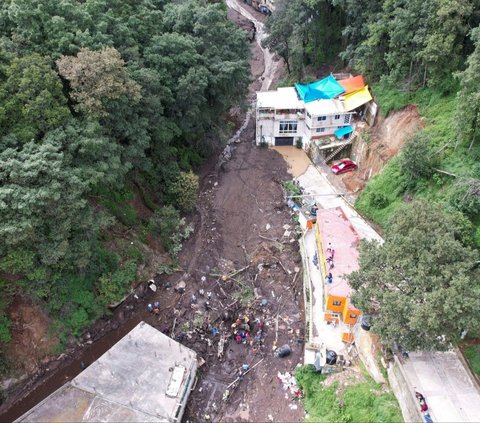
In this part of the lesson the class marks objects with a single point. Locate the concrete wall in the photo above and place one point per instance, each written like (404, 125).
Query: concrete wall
(368, 353)
(405, 396)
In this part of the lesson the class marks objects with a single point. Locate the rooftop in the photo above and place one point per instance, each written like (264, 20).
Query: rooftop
(285, 97)
(335, 228)
(325, 107)
(143, 377)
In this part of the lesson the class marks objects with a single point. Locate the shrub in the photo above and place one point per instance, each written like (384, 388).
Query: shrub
(465, 196)
(378, 200)
(184, 190)
(78, 321)
(117, 202)
(5, 324)
(263, 144)
(417, 159)
(299, 144)
(167, 223)
(112, 287)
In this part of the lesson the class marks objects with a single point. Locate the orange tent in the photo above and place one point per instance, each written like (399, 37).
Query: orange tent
(352, 84)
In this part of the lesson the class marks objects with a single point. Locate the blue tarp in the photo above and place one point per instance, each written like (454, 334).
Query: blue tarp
(326, 88)
(339, 133)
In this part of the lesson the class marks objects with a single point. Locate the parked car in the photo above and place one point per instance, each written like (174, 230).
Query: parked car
(343, 166)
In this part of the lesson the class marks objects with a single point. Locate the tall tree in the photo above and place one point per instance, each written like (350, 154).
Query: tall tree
(31, 99)
(467, 116)
(422, 285)
(96, 79)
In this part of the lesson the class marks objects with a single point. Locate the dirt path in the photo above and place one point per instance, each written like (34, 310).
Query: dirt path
(236, 208)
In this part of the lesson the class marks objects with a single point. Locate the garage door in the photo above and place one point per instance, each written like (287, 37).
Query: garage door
(283, 140)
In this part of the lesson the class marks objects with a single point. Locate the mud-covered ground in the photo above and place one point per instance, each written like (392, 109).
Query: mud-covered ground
(240, 226)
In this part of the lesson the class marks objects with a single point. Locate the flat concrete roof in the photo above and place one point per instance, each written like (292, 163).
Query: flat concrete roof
(128, 383)
(335, 228)
(282, 98)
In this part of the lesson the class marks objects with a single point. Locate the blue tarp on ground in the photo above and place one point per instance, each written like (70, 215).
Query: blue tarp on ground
(341, 132)
(326, 88)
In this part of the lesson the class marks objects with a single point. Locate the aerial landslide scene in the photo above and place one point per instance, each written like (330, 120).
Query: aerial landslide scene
(239, 211)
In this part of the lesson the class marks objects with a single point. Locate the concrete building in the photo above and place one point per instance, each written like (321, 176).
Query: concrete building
(146, 376)
(323, 113)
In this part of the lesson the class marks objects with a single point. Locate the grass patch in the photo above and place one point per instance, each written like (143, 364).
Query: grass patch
(362, 402)
(472, 354)
(390, 98)
(384, 193)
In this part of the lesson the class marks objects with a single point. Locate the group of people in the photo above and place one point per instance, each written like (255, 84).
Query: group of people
(154, 308)
(329, 260)
(242, 330)
(423, 407)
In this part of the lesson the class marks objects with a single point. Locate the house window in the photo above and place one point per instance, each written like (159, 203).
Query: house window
(337, 303)
(265, 111)
(347, 118)
(353, 316)
(320, 118)
(308, 127)
(337, 117)
(320, 130)
(309, 115)
(288, 126)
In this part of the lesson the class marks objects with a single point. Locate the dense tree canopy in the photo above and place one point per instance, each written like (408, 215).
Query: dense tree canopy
(96, 96)
(422, 285)
(416, 42)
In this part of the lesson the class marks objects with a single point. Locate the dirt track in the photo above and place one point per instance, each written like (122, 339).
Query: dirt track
(232, 214)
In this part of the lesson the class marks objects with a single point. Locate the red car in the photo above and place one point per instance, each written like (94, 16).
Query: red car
(343, 166)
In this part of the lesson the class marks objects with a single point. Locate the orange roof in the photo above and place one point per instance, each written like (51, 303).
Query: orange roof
(352, 84)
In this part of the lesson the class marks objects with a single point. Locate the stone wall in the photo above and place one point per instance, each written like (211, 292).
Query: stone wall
(403, 392)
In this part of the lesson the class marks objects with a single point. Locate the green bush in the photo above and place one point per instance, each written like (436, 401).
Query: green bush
(167, 224)
(417, 159)
(465, 196)
(117, 202)
(134, 253)
(5, 325)
(360, 402)
(263, 144)
(183, 192)
(299, 144)
(78, 321)
(378, 200)
(113, 287)
(472, 355)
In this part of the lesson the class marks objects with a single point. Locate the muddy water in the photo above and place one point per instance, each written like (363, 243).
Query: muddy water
(296, 158)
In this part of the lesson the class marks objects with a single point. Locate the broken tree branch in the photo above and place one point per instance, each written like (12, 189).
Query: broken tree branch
(238, 378)
(267, 238)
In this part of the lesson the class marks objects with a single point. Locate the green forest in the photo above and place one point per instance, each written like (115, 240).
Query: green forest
(424, 280)
(103, 101)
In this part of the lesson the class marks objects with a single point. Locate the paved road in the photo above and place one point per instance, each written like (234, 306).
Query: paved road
(441, 377)
(448, 389)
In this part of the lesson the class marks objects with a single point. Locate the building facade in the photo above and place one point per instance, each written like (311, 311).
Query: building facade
(303, 114)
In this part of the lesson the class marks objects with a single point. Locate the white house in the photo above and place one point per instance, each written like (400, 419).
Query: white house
(305, 113)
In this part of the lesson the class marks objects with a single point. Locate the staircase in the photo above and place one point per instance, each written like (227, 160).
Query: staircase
(340, 148)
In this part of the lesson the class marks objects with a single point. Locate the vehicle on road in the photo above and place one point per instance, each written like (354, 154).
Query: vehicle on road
(345, 165)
